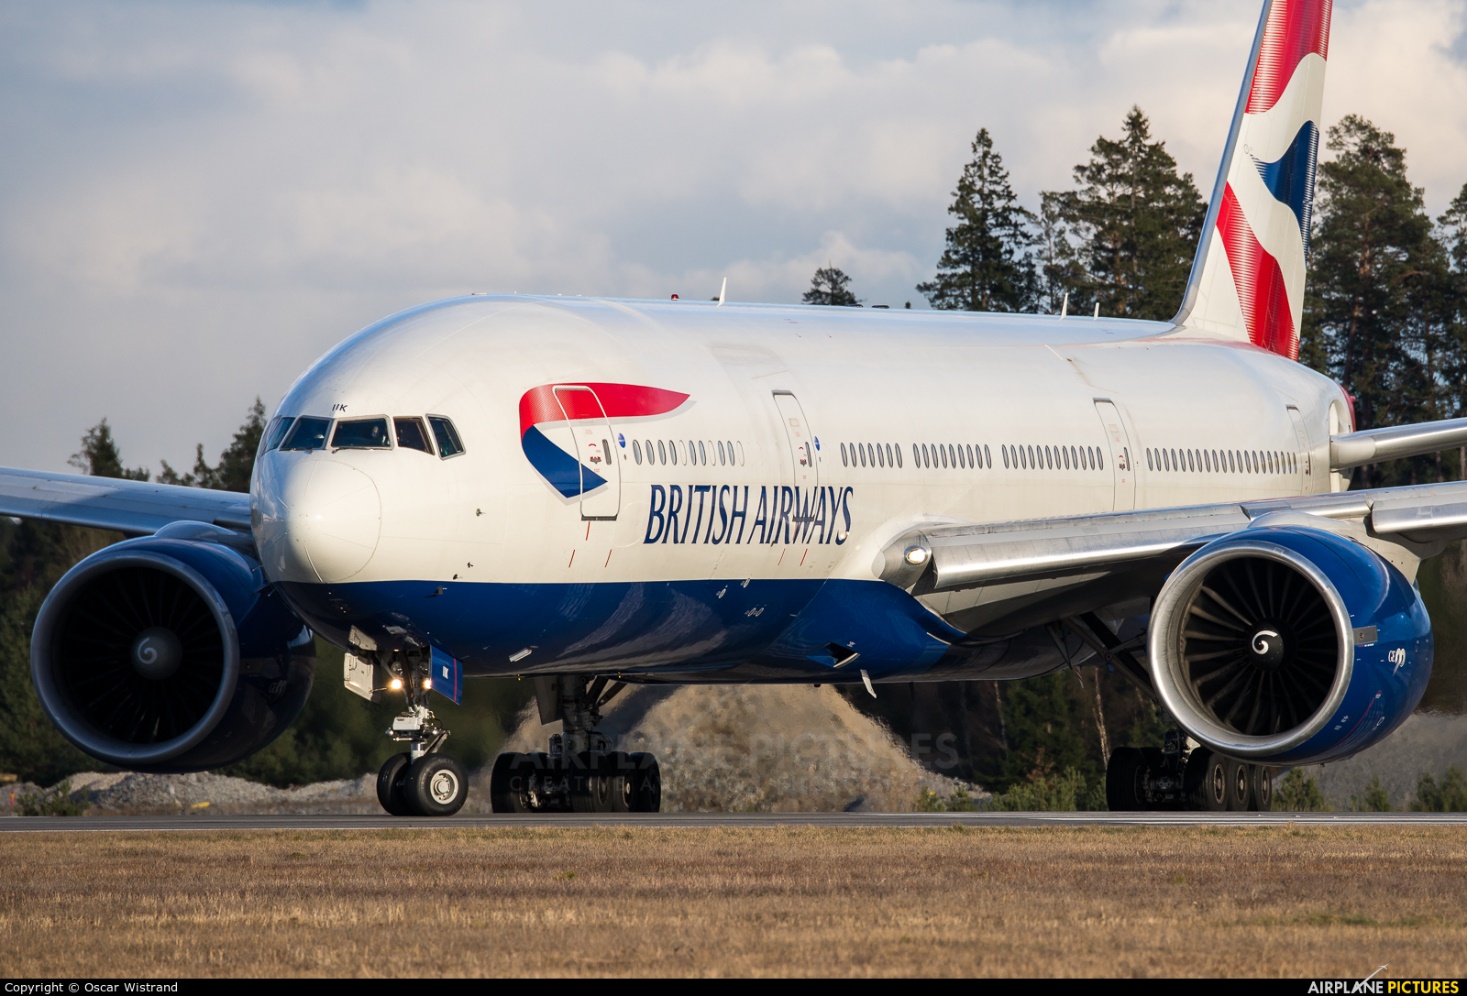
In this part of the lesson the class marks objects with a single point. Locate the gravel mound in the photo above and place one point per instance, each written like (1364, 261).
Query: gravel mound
(135, 794)
(760, 748)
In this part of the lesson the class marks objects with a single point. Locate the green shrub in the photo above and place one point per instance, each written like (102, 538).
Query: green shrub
(1450, 796)
(54, 801)
(1050, 792)
(1297, 792)
(1375, 800)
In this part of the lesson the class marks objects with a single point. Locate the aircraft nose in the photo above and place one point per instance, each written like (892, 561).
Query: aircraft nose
(320, 521)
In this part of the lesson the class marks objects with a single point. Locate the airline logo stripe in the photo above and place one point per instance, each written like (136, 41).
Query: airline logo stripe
(1295, 29)
(1259, 281)
(544, 405)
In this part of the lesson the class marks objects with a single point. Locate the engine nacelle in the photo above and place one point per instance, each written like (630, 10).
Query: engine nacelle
(1289, 645)
(170, 653)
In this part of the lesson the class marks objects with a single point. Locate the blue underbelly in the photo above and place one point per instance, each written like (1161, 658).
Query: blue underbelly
(731, 630)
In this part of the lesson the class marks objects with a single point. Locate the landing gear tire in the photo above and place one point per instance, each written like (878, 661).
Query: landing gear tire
(389, 785)
(643, 788)
(1125, 780)
(436, 785)
(1240, 789)
(1260, 784)
(509, 783)
(1207, 781)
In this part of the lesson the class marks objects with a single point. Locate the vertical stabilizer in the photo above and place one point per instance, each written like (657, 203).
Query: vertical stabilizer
(1247, 281)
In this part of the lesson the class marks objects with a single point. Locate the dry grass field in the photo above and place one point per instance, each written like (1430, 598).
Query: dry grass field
(1294, 901)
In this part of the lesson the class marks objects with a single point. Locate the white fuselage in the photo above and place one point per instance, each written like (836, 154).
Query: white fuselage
(809, 439)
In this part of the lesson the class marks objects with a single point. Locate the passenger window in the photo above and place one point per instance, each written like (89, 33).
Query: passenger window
(279, 426)
(637, 452)
(897, 452)
(987, 457)
(449, 443)
(308, 434)
(723, 461)
(411, 435)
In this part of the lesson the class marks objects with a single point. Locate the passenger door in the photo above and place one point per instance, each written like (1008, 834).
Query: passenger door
(592, 436)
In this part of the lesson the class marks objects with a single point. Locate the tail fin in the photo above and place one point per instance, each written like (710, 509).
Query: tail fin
(1247, 281)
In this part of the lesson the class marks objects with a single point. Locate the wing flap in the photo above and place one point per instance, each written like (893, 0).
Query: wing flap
(134, 508)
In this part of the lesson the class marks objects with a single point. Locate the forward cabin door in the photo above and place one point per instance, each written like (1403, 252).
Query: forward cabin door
(1118, 454)
(592, 434)
(801, 440)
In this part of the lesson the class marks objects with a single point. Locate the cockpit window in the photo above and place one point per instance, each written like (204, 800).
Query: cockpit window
(279, 426)
(448, 442)
(307, 434)
(361, 434)
(411, 435)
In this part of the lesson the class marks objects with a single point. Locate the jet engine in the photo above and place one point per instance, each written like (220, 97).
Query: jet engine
(1289, 645)
(170, 653)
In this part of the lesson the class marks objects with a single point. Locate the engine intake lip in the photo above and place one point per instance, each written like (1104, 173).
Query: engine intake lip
(51, 683)
(1171, 673)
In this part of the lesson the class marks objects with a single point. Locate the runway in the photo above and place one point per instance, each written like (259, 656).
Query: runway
(178, 824)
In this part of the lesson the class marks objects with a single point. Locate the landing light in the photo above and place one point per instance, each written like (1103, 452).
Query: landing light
(917, 555)
(395, 684)
(427, 684)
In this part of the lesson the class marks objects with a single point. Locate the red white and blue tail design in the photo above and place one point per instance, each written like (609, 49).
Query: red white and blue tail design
(1248, 280)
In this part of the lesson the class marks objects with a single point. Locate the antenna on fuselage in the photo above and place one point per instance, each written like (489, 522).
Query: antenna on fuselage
(723, 292)
(1097, 311)
(1065, 305)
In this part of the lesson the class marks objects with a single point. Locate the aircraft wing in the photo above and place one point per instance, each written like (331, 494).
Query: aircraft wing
(953, 557)
(135, 508)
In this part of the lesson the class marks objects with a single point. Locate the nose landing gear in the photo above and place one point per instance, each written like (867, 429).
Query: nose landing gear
(420, 781)
(578, 774)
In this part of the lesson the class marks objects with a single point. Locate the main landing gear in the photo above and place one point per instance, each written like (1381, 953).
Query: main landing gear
(578, 774)
(420, 781)
(1169, 778)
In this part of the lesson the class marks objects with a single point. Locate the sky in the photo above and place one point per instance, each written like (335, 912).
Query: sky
(197, 199)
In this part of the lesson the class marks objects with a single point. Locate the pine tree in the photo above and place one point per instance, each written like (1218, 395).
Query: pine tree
(100, 457)
(1136, 223)
(986, 265)
(1379, 283)
(830, 285)
(236, 463)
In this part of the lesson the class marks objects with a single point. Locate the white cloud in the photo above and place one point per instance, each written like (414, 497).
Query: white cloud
(199, 198)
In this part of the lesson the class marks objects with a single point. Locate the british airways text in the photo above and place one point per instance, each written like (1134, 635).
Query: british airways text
(731, 513)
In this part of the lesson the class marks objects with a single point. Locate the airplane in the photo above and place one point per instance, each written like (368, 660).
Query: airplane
(591, 493)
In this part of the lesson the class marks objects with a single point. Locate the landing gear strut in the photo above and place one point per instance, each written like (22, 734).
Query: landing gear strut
(420, 781)
(579, 774)
(1171, 777)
